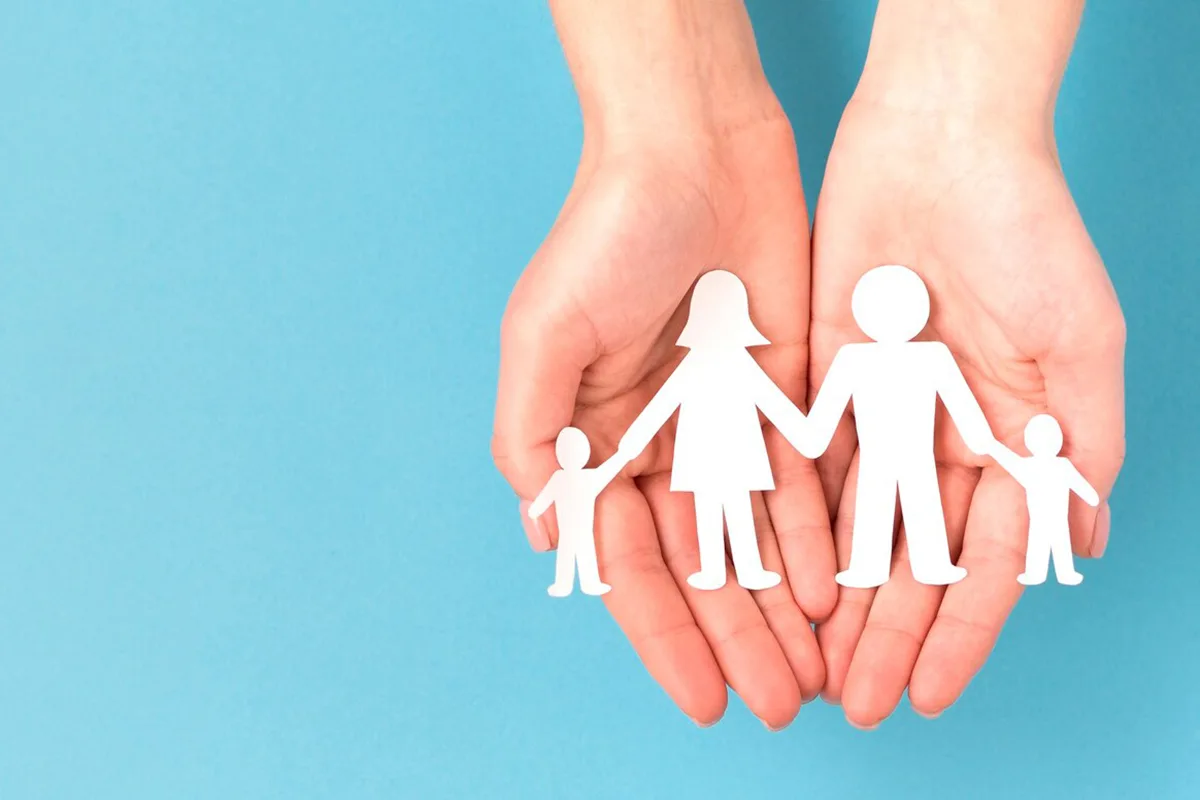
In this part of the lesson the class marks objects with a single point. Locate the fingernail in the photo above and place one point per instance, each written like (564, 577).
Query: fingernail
(934, 715)
(1100, 532)
(700, 724)
(774, 729)
(537, 537)
(854, 724)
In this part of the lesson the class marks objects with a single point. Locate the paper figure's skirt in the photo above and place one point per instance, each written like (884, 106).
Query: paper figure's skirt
(738, 462)
(719, 444)
(722, 483)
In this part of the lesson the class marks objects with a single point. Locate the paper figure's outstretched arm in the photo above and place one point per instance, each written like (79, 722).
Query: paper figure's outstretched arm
(608, 470)
(961, 403)
(778, 408)
(654, 415)
(831, 402)
(1080, 486)
(544, 499)
(1012, 463)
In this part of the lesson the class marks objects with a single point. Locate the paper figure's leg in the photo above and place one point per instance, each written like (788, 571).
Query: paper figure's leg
(710, 529)
(564, 559)
(1037, 557)
(1064, 562)
(925, 527)
(743, 544)
(871, 539)
(589, 573)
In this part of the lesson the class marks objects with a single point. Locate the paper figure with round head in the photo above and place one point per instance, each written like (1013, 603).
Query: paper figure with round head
(720, 454)
(573, 490)
(895, 383)
(1048, 479)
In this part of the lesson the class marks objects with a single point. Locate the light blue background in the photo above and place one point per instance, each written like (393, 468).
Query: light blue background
(253, 257)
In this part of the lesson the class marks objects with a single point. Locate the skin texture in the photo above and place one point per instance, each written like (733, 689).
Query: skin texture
(945, 162)
(968, 190)
(665, 192)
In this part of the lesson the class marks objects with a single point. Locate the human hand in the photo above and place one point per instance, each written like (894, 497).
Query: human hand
(957, 176)
(688, 164)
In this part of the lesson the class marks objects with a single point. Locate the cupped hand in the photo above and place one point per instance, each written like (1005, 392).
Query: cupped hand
(589, 336)
(1020, 295)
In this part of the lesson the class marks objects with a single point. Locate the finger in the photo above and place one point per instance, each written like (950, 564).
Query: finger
(783, 615)
(803, 534)
(1085, 391)
(838, 636)
(1081, 356)
(542, 532)
(647, 605)
(841, 254)
(901, 616)
(834, 464)
(744, 646)
(973, 611)
(546, 342)
(778, 285)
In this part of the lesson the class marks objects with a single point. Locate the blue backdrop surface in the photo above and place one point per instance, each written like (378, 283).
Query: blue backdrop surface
(253, 258)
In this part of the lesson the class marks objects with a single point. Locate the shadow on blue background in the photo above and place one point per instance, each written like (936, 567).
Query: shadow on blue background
(252, 262)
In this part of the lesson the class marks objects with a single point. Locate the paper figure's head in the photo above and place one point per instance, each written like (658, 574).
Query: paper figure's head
(1043, 436)
(890, 303)
(572, 448)
(720, 314)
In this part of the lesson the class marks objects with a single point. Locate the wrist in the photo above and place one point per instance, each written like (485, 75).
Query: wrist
(672, 75)
(990, 66)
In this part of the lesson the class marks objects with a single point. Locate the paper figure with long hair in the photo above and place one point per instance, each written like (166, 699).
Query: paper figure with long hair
(720, 453)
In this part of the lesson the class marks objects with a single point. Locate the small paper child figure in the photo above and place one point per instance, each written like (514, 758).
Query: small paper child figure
(573, 491)
(1049, 480)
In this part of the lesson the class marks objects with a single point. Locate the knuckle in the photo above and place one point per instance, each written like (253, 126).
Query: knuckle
(741, 634)
(503, 458)
(683, 554)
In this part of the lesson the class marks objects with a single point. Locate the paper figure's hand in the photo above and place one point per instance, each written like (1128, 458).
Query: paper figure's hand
(980, 445)
(798, 433)
(609, 469)
(689, 165)
(994, 448)
(958, 179)
(544, 498)
(1009, 461)
(801, 441)
(627, 452)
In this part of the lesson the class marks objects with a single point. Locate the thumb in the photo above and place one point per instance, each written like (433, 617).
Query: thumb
(545, 344)
(1085, 390)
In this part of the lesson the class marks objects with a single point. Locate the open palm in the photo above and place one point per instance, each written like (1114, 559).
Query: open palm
(589, 337)
(1022, 299)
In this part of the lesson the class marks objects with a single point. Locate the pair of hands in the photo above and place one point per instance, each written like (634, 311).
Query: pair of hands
(1019, 294)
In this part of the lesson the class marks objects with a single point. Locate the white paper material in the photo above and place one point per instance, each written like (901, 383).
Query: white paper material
(720, 454)
(573, 490)
(1049, 480)
(894, 383)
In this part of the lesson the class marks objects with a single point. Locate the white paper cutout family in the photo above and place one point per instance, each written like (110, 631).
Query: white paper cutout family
(721, 456)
